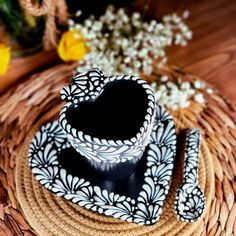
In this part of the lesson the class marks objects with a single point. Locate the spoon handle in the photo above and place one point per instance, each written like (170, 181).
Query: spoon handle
(191, 156)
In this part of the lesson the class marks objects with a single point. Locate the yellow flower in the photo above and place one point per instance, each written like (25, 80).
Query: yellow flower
(4, 58)
(72, 46)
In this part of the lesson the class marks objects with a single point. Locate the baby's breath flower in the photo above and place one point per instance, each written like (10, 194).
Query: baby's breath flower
(209, 90)
(123, 44)
(179, 94)
(78, 13)
(126, 43)
(199, 98)
(164, 78)
(71, 22)
(185, 14)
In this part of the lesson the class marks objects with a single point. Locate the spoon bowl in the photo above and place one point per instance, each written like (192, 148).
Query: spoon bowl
(189, 202)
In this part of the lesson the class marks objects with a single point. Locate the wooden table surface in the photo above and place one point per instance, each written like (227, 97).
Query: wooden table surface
(211, 54)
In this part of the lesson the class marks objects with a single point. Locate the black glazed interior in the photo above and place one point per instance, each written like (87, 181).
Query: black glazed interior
(118, 113)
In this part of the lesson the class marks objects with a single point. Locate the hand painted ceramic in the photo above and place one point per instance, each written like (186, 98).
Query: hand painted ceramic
(190, 200)
(108, 120)
(137, 198)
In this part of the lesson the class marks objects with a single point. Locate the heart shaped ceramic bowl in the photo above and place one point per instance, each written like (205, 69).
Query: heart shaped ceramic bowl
(108, 120)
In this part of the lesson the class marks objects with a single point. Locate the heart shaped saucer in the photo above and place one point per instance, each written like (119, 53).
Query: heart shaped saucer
(137, 198)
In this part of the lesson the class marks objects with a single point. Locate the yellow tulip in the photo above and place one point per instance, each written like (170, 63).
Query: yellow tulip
(72, 46)
(4, 58)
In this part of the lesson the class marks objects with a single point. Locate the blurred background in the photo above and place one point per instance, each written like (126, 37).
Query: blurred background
(211, 54)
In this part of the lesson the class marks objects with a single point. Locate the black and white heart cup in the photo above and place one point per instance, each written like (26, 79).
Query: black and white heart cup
(108, 120)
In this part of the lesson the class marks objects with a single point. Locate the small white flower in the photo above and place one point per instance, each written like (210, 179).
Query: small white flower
(125, 43)
(78, 13)
(188, 34)
(164, 78)
(185, 85)
(97, 26)
(191, 91)
(167, 19)
(197, 84)
(209, 90)
(71, 22)
(185, 14)
(137, 64)
(199, 98)
(136, 16)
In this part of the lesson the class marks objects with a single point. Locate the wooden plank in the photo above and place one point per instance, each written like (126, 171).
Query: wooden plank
(212, 52)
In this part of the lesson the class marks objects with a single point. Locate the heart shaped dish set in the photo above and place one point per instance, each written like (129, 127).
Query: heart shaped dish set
(112, 151)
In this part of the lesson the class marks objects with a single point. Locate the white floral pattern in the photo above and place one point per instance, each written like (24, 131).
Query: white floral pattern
(190, 203)
(54, 132)
(44, 157)
(190, 200)
(46, 175)
(145, 209)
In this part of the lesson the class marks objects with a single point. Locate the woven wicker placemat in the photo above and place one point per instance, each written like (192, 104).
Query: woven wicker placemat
(51, 215)
(23, 108)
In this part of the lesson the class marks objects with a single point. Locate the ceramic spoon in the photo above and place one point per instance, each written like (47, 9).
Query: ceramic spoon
(190, 200)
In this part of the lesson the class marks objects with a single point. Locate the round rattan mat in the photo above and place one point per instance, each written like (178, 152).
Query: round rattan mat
(52, 215)
(32, 210)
